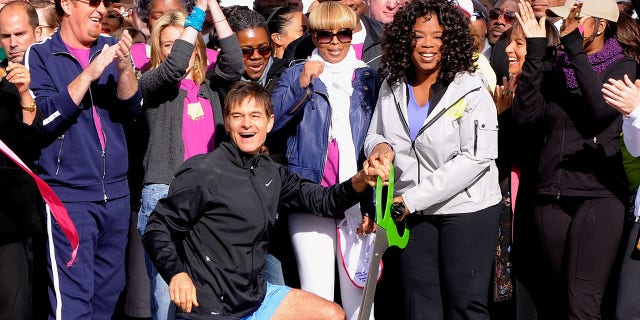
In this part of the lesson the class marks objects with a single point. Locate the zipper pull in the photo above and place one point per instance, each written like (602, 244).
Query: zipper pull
(475, 138)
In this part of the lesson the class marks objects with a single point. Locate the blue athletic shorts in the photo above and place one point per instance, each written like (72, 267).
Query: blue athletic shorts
(272, 300)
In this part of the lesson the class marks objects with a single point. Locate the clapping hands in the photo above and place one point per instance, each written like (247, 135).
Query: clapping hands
(623, 95)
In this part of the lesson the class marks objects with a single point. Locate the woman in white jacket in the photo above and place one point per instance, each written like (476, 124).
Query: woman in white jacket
(624, 96)
(437, 121)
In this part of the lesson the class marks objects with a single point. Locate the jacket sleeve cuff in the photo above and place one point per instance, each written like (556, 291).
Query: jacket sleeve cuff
(135, 102)
(633, 117)
(572, 43)
(64, 104)
(536, 47)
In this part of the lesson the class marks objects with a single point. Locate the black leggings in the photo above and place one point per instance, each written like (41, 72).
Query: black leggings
(446, 267)
(580, 238)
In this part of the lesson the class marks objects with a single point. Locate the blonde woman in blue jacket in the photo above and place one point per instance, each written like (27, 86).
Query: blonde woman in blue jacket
(438, 124)
(324, 107)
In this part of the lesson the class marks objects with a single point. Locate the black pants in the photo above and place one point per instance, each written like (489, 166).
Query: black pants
(446, 267)
(15, 281)
(580, 239)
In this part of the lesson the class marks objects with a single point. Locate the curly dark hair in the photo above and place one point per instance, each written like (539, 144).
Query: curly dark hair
(398, 41)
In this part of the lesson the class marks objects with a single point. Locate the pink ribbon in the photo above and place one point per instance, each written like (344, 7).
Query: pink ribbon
(55, 205)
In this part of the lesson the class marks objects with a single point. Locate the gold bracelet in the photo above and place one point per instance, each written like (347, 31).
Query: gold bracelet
(31, 107)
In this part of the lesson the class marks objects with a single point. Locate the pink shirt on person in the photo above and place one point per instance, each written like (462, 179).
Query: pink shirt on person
(82, 55)
(198, 125)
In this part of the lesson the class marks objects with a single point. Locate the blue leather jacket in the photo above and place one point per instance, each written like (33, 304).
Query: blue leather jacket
(305, 114)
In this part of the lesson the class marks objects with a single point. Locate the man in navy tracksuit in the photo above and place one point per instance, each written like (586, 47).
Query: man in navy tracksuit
(85, 86)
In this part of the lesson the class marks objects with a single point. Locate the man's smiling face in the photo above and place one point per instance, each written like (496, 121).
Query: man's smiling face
(248, 124)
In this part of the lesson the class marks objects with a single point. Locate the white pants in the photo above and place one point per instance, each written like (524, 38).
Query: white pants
(314, 241)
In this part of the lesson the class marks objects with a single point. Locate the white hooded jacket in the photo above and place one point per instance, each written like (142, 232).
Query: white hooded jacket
(450, 167)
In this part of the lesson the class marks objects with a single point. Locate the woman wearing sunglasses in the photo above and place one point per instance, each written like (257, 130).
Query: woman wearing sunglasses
(183, 109)
(324, 106)
(366, 39)
(437, 122)
(253, 36)
(581, 185)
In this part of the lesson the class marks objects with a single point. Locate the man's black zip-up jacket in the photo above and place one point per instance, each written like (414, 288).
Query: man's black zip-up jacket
(217, 220)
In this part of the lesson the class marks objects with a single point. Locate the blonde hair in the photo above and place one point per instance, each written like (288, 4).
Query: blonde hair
(176, 19)
(332, 15)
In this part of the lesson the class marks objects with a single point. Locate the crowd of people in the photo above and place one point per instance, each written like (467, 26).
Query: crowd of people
(183, 159)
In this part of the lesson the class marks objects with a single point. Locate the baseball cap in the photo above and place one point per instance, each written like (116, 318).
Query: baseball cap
(465, 6)
(605, 9)
(479, 10)
(473, 9)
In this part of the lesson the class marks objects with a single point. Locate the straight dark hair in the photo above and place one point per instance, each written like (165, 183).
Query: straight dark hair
(243, 90)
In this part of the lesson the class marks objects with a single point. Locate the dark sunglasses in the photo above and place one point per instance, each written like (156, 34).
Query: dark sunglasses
(509, 16)
(96, 3)
(263, 51)
(325, 36)
(112, 16)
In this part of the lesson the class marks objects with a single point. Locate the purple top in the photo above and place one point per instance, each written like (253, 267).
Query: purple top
(417, 114)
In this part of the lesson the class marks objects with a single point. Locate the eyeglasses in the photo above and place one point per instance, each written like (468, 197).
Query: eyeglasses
(96, 3)
(247, 53)
(326, 36)
(509, 16)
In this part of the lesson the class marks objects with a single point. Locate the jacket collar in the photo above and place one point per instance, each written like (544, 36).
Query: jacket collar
(461, 86)
(239, 158)
(58, 46)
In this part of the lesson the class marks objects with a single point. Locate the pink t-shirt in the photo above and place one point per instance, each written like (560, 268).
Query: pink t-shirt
(82, 55)
(357, 47)
(330, 174)
(141, 57)
(198, 125)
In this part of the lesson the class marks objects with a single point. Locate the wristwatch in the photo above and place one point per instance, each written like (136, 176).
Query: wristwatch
(397, 209)
(31, 107)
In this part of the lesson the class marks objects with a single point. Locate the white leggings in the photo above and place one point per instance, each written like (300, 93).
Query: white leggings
(314, 241)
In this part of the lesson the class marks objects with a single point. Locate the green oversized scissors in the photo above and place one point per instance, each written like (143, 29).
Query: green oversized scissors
(387, 235)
